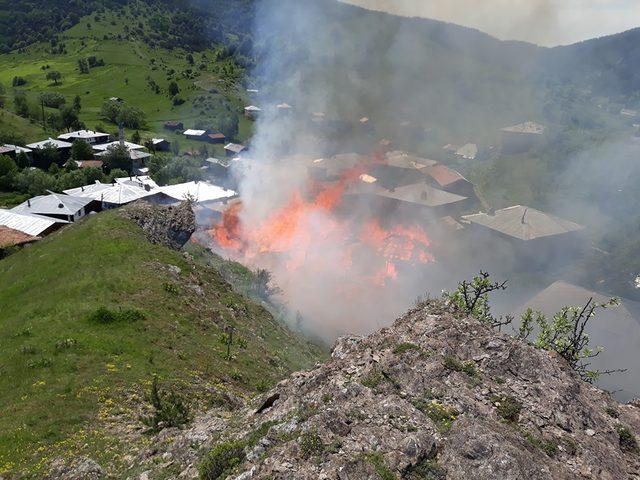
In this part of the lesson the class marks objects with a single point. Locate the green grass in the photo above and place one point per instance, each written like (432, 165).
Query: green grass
(129, 65)
(63, 372)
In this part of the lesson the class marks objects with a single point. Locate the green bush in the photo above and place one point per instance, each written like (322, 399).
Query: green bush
(456, 365)
(507, 407)
(221, 461)
(311, 444)
(628, 441)
(169, 408)
(405, 347)
(105, 316)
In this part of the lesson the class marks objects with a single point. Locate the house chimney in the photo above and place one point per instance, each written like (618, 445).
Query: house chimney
(524, 215)
(29, 203)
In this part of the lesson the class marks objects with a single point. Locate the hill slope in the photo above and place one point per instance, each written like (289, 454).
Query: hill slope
(435, 396)
(63, 376)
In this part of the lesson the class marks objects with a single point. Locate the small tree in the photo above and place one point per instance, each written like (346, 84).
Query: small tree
(118, 157)
(81, 150)
(77, 103)
(566, 335)
(472, 298)
(54, 76)
(173, 89)
(169, 408)
(83, 65)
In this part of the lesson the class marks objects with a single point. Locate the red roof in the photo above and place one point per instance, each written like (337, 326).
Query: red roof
(443, 174)
(10, 237)
(90, 163)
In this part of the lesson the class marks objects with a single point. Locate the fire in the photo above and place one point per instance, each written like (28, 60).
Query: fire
(307, 226)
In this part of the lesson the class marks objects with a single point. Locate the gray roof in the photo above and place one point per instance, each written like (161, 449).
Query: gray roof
(524, 223)
(116, 194)
(82, 134)
(404, 160)
(235, 147)
(422, 194)
(30, 224)
(51, 141)
(526, 127)
(53, 204)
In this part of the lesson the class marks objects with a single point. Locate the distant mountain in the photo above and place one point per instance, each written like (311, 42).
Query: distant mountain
(607, 65)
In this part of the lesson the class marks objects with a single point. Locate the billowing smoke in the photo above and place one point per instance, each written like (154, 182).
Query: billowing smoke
(341, 86)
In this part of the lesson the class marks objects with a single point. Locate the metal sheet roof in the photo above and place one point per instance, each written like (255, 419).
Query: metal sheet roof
(53, 204)
(30, 224)
(194, 133)
(82, 134)
(115, 194)
(128, 145)
(422, 194)
(51, 141)
(524, 223)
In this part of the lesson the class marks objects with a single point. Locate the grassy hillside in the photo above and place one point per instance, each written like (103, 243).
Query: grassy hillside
(133, 70)
(65, 377)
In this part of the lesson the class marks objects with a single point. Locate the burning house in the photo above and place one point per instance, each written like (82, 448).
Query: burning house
(399, 169)
(522, 137)
(535, 236)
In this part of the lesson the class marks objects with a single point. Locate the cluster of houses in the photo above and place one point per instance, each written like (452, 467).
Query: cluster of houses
(100, 142)
(206, 135)
(39, 216)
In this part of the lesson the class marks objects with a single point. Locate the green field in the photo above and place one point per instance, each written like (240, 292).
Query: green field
(66, 379)
(130, 71)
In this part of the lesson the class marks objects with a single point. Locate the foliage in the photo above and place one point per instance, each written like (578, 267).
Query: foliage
(373, 379)
(81, 150)
(379, 465)
(547, 446)
(566, 335)
(221, 460)
(54, 76)
(472, 299)
(442, 415)
(52, 99)
(117, 157)
(628, 441)
(118, 112)
(405, 347)
(263, 285)
(169, 408)
(311, 444)
(173, 89)
(167, 170)
(107, 316)
(452, 363)
(507, 407)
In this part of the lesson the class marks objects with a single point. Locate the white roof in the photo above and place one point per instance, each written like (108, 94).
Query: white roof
(53, 204)
(129, 145)
(198, 191)
(51, 141)
(195, 133)
(27, 223)
(17, 148)
(116, 194)
(140, 180)
(156, 141)
(284, 106)
(82, 134)
(252, 108)
(468, 151)
(133, 154)
(234, 147)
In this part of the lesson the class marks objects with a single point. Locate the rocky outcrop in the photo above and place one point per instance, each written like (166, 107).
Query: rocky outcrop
(167, 225)
(433, 396)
